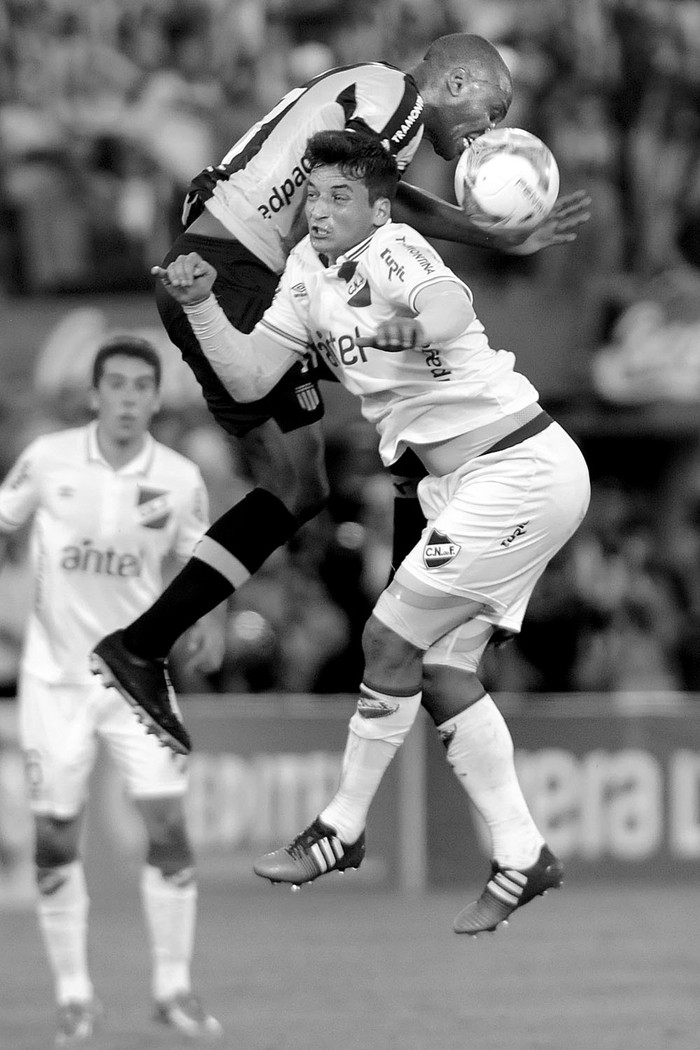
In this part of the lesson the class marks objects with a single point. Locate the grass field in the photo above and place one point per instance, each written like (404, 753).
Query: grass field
(587, 968)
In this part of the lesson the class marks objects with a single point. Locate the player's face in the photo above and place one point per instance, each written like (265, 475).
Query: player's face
(476, 107)
(339, 213)
(126, 398)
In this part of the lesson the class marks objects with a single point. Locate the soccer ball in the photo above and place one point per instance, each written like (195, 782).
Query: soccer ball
(507, 179)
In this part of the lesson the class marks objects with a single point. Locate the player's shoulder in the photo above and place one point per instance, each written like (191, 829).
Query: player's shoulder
(57, 444)
(357, 71)
(400, 239)
(400, 232)
(383, 71)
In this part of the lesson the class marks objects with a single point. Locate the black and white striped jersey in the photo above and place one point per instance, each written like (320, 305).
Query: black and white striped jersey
(257, 191)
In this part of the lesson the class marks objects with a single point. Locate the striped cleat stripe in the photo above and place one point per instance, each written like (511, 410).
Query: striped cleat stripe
(319, 856)
(332, 850)
(315, 852)
(508, 886)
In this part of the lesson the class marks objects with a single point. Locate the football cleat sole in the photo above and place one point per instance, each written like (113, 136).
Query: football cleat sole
(100, 668)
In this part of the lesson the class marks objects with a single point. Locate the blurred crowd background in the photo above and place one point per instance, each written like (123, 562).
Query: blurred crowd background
(109, 108)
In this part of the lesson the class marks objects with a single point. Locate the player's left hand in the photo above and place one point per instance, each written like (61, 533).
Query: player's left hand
(206, 646)
(560, 225)
(403, 333)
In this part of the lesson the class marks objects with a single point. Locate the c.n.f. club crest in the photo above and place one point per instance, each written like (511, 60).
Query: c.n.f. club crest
(358, 291)
(358, 286)
(153, 507)
(439, 550)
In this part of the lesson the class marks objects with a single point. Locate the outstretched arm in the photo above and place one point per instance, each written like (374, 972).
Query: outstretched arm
(434, 217)
(249, 366)
(443, 311)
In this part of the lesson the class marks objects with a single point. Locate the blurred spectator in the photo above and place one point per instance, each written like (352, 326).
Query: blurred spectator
(653, 352)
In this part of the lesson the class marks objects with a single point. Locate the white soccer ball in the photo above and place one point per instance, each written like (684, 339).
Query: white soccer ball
(507, 179)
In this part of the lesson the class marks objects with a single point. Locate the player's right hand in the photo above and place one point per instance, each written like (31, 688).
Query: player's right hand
(189, 278)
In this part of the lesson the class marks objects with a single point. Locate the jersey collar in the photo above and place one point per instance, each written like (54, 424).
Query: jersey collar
(352, 255)
(140, 464)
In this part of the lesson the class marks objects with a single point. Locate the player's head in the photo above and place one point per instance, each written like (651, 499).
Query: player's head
(126, 376)
(352, 182)
(126, 346)
(467, 89)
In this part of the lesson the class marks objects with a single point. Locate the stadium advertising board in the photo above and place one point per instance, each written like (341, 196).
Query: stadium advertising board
(613, 783)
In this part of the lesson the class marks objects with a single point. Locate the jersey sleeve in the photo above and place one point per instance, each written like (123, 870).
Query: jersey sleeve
(386, 102)
(286, 320)
(404, 264)
(194, 516)
(20, 490)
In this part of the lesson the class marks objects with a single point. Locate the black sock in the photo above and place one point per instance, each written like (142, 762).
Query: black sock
(408, 525)
(249, 532)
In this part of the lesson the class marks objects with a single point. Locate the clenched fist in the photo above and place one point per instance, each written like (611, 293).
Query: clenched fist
(189, 278)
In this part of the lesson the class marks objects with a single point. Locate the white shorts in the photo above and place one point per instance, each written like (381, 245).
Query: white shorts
(493, 525)
(59, 727)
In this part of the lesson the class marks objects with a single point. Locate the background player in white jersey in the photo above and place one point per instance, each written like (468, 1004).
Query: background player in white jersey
(244, 216)
(108, 504)
(506, 487)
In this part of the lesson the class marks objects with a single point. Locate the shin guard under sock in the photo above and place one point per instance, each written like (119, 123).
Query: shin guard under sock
(233, 548)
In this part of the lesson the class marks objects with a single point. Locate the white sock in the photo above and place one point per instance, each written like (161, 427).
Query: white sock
(62, 910)
(480, 751)
(170, 907)
(373, 740)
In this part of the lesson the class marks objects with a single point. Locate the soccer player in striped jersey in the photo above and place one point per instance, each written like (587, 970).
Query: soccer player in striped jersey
(244, 216)
(505, 488)
(108, 504)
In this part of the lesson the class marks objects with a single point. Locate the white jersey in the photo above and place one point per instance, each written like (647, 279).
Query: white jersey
(415, 398)
(99, 537)
(257, 191)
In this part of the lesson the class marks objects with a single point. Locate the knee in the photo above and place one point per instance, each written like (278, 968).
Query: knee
(291, 466)
(56, 843)
(392, 663)
(305, 477)
(447, 691)
(308, 496)
(169, 847)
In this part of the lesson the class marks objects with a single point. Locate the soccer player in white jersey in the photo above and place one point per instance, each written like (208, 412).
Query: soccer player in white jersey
(108, 504)
(505, 488)
(243, 216)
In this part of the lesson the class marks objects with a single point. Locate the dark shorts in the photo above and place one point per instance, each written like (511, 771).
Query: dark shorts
(244, 287)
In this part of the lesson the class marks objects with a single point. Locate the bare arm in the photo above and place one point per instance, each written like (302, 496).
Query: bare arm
(434, 217)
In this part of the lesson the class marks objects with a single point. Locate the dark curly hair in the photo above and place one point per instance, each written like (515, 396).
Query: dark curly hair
(358, 156)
